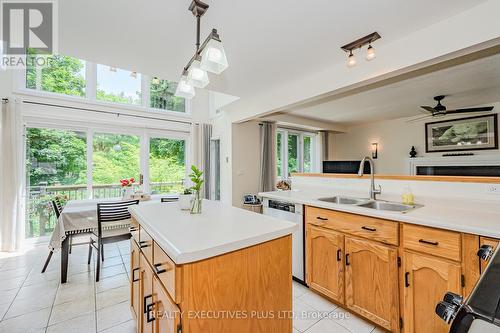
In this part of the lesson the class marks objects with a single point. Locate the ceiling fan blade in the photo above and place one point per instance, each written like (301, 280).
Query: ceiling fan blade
(481, 109)
(428, 108)
(419, 118)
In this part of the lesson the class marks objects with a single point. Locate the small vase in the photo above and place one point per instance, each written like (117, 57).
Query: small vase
(196, 204)
(185, 201)
(127, 193)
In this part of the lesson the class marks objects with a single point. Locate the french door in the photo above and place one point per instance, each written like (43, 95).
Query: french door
(85, 163)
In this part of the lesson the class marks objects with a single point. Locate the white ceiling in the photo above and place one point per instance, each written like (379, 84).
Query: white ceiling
(267, 42)
(470, 84)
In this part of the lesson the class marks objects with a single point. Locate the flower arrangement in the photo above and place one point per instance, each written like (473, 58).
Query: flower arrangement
(197, 178)
(127, 182)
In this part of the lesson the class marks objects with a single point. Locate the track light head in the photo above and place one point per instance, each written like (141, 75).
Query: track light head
(351, 60)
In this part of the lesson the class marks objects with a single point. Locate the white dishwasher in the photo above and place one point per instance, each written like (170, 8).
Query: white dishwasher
(294, 213)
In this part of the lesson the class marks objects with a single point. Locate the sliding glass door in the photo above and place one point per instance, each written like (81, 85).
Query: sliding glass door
(86, 163)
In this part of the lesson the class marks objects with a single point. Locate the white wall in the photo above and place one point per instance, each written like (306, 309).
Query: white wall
(5, 84)
(221, 129)
(395, 138)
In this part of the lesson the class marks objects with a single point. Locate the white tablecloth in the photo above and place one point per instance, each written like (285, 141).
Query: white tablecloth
(80, 216)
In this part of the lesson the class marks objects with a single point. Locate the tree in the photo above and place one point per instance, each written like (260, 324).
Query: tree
(162, 96)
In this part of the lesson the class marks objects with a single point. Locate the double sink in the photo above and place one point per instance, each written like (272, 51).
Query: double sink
(368, 203)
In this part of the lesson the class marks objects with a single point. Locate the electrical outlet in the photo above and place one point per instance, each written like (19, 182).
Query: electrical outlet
(493, 189)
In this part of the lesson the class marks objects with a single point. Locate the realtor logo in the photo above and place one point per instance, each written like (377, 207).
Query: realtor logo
(27, 25)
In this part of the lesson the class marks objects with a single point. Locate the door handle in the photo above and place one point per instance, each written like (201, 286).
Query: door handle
(158, 269)
(347, 263)
(407, 279)
(339, 252)
(428, 242)
(133, 274)
(143, 244)
(368, 228)
(321, 218)
(149, 310)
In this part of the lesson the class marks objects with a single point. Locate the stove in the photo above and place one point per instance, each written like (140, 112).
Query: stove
(481, 311)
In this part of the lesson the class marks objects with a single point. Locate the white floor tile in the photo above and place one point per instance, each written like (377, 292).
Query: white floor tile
(22, 306)
(112, 282)
(73, 309)
(113, 315)
(113, 296)
(327, 326)
(304, 315)
(318, 302)
(82, 324)
(351, 321)
(112, 271)
(298, 289)
(28, 322)
(127, 327)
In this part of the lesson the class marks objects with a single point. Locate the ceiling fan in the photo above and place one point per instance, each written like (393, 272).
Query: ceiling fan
(440, 110)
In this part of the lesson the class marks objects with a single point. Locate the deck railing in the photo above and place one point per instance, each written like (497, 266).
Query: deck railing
(40, 218)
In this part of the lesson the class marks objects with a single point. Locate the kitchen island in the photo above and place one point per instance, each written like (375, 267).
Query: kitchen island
(225, 270)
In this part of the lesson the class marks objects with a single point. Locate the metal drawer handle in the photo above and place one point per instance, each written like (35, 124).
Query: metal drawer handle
(146, 302)
(158, 269)
(407, 279)
(149, 310)
(321, 218)
(369, 229)
(339, 252)
(143, 244)
(347, 263)
(428, 242)
(132, 229)
(133, 274)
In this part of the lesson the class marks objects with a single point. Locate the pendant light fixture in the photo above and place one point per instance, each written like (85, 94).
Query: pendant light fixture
(209, 57)
(358, 44)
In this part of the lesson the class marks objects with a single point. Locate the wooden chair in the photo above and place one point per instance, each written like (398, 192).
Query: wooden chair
(56, 205)
(106, 213)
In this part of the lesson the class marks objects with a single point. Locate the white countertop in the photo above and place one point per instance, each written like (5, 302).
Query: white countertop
(468, 216)
(217, 230)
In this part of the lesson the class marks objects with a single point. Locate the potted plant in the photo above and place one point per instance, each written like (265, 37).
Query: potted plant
(197, 178)
(185, 199)
(126, 184)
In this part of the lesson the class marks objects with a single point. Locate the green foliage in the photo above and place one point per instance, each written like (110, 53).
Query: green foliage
(118, 98)
(64, 75)
(162, 96)
(196, 177)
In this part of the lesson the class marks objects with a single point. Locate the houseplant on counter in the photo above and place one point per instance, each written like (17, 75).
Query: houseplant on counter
(197, 178)
(127, 187)
(185, 199)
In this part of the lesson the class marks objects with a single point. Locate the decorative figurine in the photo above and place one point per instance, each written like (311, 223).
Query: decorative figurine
(413, 152)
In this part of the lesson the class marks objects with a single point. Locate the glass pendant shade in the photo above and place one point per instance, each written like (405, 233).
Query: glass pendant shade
(198, 76)
(184, 88)
(370, 53)
(213, 57)
(351, 60)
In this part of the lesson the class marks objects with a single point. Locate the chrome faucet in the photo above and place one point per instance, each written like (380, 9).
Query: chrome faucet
(373, 191)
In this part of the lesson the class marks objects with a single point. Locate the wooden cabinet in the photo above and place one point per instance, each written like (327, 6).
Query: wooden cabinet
(426, 280)
(371, 278)
(487, 241)
(135, 278)
(145, 321)
(166, 312)
(324, 262)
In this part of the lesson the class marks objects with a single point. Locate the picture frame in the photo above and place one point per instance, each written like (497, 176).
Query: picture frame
(463, 134)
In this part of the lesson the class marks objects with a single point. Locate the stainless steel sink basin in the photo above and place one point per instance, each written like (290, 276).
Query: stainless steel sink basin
(385, 205)
(344, 200)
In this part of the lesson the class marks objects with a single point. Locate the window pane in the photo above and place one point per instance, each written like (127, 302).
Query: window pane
(118, 85)
(167, 167)
(278, 155)
(307, 154)
(56, 165)
(115, 157)
(63, 75)
(162, 96)
(293, 145)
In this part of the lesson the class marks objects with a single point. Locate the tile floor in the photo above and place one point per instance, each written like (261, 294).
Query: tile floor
(35, 302)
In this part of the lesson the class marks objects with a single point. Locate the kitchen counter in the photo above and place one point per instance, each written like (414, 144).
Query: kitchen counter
(468, 216)
(217, 230)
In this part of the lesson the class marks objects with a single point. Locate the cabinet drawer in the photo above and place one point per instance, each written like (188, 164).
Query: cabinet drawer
(437, 242)
(134, 229)
(384, 231)
(146, 245)
(167, 272)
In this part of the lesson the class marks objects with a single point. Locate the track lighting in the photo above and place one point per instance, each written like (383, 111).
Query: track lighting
(351, 60)
(357, 44)
(370, 53)
(209, 57)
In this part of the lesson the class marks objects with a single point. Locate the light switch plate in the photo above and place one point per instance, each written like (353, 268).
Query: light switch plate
(493, 189)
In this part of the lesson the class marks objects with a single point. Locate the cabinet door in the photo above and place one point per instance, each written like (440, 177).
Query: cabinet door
(135, 277)
(487, 241)
(324, 262)
(145, 321)
(371, 276)
(166, 312)
(427, 279)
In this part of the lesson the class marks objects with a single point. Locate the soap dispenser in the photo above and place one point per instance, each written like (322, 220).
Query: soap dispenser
(408, 198)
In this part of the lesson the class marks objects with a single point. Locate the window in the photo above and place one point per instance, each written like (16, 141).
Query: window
(56, 165)
(167, 165)
(295, 152)
(118, 85)
(63, 75)
(161, 94)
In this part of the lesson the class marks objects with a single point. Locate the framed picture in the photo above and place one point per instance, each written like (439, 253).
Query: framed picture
(472, 133)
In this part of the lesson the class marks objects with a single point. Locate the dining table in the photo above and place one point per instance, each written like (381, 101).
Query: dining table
(79, 217)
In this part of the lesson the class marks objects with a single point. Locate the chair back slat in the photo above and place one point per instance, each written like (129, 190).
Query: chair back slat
(113, 211)
(57, 211)
(58, 202)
